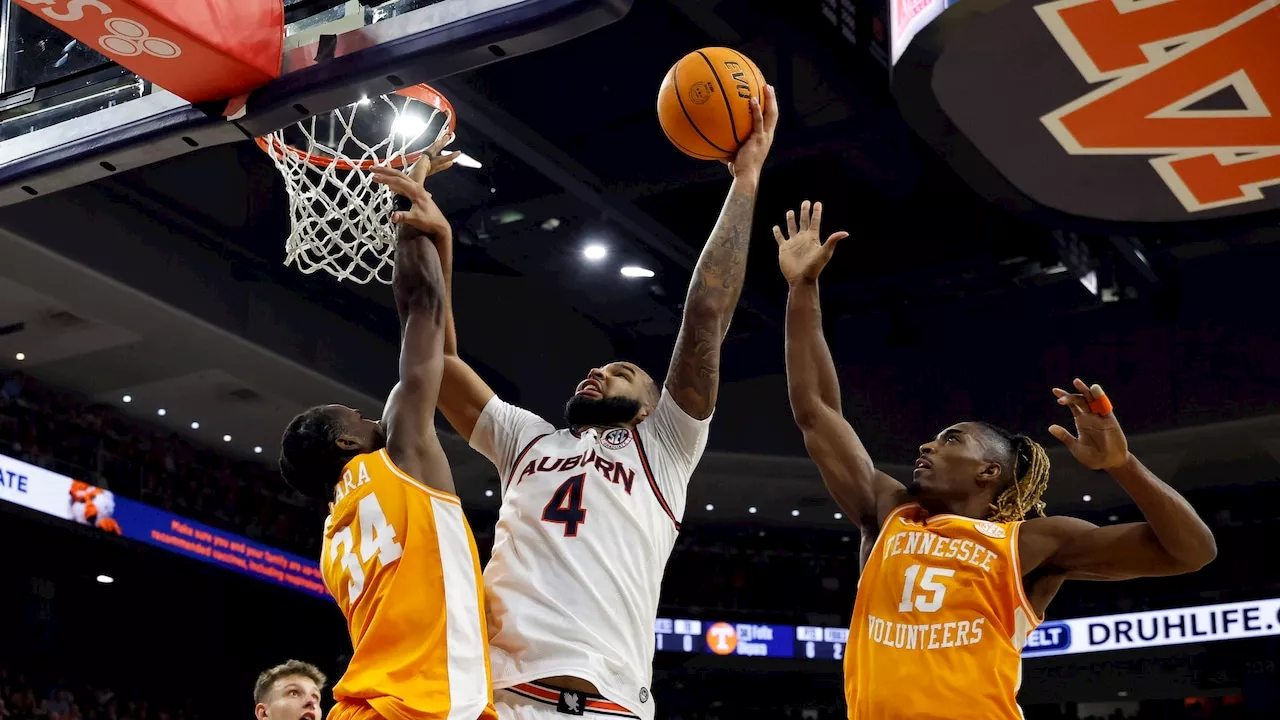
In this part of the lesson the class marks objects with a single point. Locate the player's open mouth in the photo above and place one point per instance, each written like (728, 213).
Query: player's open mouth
(923, 464)
(590, 388)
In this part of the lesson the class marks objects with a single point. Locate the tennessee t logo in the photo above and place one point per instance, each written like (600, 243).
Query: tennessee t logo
(1162, 60)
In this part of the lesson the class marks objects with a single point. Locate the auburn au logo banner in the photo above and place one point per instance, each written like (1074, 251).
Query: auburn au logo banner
(1131, 111)
(1161, 65)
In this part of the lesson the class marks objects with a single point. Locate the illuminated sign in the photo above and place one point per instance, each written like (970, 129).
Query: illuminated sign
(77, 501)
(1126, 631)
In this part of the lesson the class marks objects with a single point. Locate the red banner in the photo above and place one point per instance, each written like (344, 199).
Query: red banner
(196, 49)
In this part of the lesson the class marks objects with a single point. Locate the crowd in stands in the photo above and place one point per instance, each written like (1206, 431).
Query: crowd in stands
(26, 694)
(767, 574)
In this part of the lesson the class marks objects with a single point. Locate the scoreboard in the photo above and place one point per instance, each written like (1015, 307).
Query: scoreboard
(752, 640)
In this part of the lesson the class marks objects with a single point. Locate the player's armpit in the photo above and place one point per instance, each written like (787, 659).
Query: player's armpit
(865, 495)
(1081, 550)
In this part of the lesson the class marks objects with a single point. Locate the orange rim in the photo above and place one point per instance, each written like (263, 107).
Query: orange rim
(421, 93)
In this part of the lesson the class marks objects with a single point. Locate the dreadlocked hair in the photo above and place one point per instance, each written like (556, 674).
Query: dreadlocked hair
(1030, 474)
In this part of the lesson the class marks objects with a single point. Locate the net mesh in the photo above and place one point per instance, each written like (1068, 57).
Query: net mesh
(340, 218)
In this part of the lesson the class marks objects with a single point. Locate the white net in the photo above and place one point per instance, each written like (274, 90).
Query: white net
(340, 219)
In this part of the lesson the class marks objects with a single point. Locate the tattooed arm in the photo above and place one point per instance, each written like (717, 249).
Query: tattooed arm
(694, 376)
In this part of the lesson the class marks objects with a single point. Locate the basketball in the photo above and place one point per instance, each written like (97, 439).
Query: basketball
(704, 104)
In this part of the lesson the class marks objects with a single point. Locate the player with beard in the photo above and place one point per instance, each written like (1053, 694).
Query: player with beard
(590, 513)
(954, 577)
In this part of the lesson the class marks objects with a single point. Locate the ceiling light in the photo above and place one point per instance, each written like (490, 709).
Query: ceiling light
(195, 426)
(751, 510)
(105, 579)
(1088, 498)
(127, 398)
(226, 438)
(21, 356)
(162, 412)
(795, 513)
(710, 507)
(488, 493)
(595, 251)
(363, 101)
(633, 271)
(761, 533)
(550, 224)
(839, 516)
(409, 126)
(257, 449)
(467, 161)
(844, 539)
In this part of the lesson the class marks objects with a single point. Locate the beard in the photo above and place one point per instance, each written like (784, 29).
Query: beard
(583, 411)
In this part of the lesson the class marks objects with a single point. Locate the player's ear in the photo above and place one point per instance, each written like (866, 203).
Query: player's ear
(990, 475)
(347, 443)
(260, 711)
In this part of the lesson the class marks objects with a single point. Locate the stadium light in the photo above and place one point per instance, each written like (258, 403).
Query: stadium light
(162, 412)
(20, 357)
(105, 579)
(1088, 498)
(839, 516)
(752, 510)
(595, 252)
(127, 398)
(257, 449)
(795, 513)
(710, 507)
(226, 438)
(195, 426)
(633, 271)
(488, 493)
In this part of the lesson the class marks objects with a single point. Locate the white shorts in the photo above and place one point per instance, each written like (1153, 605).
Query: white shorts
(535, 701)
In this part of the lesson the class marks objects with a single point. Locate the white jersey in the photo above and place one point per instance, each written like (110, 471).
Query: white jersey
(587, 524)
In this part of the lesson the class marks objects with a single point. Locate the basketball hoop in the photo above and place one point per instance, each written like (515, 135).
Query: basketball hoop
(339, 218)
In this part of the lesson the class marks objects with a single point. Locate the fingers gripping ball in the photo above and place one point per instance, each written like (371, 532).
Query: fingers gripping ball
(704, 104)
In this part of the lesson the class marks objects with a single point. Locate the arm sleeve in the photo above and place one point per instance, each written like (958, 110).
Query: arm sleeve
(675, 442)
(504, 432)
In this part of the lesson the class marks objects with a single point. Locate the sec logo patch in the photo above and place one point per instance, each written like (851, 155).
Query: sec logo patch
(616, 439)
(991, 530)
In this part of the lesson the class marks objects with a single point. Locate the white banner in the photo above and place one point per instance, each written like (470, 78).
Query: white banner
(908, 17)
(34, 487)
(1179, 626)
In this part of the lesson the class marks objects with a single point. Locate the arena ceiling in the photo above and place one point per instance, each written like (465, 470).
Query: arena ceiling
(166, 283)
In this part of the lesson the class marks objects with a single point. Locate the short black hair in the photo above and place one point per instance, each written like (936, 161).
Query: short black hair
(310, 459)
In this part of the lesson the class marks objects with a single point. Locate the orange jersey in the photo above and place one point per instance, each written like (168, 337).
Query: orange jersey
(400, 560)
(939, 621)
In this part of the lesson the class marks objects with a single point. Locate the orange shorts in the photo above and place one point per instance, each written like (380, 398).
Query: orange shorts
(353, 710)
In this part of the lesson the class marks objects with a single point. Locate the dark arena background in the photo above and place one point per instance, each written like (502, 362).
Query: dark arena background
(1035, 190)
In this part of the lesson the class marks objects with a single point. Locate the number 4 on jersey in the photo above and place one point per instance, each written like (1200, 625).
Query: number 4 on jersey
(565, 506)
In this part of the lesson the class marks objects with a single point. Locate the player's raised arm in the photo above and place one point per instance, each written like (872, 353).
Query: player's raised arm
(693, 378)
(863, 493)
(1172, 541)
(419, 288)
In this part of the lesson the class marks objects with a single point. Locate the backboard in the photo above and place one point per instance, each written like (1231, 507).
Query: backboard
(69, 115)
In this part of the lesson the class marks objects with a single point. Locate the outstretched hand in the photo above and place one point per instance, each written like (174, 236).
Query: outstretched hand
(1099, 443)
(801, 253)
(764, 116)
(424, 214)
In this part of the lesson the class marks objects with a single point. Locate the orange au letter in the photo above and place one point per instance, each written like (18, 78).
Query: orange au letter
(1208, 157)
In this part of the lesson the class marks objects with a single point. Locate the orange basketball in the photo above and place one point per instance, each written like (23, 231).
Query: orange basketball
(704, 102)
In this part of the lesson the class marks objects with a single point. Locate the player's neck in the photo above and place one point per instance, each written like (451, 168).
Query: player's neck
(977, 507)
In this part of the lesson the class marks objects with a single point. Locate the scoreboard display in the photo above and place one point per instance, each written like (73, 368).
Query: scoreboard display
(752, 640)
